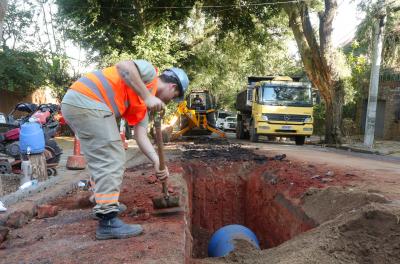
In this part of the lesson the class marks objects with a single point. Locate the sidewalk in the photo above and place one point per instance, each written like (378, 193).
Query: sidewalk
(381, 147)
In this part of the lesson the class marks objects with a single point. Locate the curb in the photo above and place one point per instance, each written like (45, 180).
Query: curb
(26, 201)
(348, 148)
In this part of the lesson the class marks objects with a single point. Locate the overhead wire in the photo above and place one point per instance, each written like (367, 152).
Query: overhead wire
(204, 6)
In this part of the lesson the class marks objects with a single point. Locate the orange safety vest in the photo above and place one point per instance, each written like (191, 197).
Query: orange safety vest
(108, 87)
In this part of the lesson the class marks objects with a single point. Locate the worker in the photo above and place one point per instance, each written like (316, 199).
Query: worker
(197, 101)
(91, 107)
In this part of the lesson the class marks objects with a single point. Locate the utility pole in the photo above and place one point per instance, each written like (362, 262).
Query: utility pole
(374, 79)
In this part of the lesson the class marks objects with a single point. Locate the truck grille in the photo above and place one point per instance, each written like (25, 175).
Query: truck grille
(287, 118)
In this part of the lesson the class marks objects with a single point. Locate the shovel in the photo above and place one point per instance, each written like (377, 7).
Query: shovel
(166, 203)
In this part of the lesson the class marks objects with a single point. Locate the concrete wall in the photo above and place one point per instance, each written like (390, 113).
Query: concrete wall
(389, 95)
(390, 92)
(9, 99)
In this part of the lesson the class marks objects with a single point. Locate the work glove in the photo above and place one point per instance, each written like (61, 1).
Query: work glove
(162, 175)
(154, 103)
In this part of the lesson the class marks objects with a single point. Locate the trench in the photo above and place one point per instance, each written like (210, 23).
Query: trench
(240, 192)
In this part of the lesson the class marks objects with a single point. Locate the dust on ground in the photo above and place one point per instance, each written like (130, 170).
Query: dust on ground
(69, 237)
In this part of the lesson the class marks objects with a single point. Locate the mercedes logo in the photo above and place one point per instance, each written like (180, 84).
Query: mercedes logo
(286, 117)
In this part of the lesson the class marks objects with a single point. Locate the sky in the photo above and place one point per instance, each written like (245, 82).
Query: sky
(345, 24)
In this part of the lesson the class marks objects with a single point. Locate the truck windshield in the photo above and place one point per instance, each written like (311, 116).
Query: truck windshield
(222, 115)
(286, 95)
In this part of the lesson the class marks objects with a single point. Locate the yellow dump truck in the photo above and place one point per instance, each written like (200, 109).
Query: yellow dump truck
(275, 106)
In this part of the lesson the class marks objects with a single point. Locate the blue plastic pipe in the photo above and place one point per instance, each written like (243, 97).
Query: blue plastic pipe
(222, 241)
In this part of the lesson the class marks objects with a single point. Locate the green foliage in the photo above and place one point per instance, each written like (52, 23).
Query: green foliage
(32, 55)
(18, 19)
(158, 44)
(319, 119)
(218, 48)
(233, 59)
(22, 71)
(360, 69)
(350, 110)
(365, 39)
(109, 26)
(58, 77)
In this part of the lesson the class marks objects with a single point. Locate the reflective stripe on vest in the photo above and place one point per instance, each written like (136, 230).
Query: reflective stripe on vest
(106, 86)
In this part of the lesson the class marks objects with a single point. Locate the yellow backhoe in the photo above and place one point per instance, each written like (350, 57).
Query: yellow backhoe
(194, 116)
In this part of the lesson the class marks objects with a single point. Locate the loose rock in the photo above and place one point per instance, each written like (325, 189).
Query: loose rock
(17, 219)
(3, 233)
(330, 174)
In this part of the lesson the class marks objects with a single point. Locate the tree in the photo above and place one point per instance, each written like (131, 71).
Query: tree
(364, 34)
(319, 60)
(3, 9)
(22, 71)
(18, 20)
(33, 55)
(107, 26)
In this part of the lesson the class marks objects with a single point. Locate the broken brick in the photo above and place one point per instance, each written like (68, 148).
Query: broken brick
(45, 211)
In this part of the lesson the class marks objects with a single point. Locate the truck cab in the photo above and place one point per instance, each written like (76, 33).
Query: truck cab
(275, 106)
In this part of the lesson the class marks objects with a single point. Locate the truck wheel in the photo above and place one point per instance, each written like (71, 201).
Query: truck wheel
(253, 133)
(300, 140)
(239, 131)
(5, 167)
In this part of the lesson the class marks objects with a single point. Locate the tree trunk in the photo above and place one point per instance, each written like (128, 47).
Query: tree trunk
(319, 61)
(39, 167)
(333, 111)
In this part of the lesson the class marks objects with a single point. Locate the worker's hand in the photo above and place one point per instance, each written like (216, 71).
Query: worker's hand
(154, 103)
(162, 175)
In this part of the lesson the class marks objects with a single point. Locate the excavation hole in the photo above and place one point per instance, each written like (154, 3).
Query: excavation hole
(240, 192)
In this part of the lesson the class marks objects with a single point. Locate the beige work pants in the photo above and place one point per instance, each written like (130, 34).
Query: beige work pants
(104, 152)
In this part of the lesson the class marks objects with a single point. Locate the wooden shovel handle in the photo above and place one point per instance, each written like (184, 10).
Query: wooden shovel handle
(160, 148)
(159, 140)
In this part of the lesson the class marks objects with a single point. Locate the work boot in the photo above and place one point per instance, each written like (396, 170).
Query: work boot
(121, 208)
(115, 228)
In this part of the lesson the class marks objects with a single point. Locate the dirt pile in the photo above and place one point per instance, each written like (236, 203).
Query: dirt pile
(366, 230)
(326, 204)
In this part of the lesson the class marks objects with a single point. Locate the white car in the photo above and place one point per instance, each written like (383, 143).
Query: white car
(229, 124)
(221, 115)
